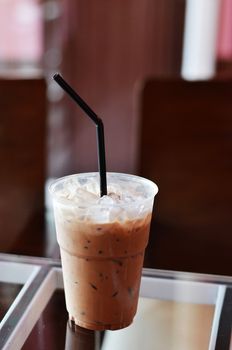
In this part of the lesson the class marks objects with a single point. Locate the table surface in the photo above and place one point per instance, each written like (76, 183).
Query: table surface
(177, 310)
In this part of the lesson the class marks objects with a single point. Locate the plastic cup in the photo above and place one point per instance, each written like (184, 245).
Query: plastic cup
(102, 249)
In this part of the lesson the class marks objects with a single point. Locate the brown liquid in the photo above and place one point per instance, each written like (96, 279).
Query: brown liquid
(102, 266)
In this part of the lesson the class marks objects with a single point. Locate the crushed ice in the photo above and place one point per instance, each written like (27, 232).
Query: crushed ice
(84, 195)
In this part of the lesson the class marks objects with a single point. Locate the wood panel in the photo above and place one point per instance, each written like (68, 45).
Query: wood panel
(108, 47)
(186, 147)
(22, 156)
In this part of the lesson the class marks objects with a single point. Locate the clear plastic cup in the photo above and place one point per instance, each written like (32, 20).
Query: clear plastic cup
(102, 244)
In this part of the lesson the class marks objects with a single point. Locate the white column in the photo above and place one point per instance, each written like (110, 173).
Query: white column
(200, 39)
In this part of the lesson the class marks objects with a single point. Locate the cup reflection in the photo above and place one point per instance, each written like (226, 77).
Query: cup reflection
(78, 338)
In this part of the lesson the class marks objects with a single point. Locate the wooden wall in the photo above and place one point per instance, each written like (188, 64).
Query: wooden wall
(22, 158)
(108, 48)
(186, 147)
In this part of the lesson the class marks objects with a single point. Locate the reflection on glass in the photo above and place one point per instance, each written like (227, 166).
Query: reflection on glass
(161, 324)
(81, 338)
(8, 292)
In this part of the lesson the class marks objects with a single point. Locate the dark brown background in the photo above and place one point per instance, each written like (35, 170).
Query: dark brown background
(22, 158)
(109, 47)
(186, 147)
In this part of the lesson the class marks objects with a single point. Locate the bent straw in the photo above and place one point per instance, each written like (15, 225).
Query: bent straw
(99, 125)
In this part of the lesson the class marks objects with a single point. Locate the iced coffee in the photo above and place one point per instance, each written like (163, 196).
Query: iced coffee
(102, 242)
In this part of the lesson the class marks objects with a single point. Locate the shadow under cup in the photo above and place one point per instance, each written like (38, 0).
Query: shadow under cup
(102, 247)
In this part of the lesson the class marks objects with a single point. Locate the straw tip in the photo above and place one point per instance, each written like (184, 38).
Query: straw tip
(56, 75)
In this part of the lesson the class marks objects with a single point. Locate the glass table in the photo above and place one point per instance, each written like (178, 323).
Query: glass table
(177, 310)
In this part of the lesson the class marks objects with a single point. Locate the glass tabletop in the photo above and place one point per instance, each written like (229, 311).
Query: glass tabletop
(177, 310)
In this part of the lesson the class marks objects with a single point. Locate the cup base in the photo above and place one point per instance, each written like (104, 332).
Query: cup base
(97, 326)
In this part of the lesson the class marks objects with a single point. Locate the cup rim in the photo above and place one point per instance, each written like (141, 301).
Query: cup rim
(66, 202)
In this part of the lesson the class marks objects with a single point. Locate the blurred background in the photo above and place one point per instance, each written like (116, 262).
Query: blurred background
(109, 51)
(105, 50)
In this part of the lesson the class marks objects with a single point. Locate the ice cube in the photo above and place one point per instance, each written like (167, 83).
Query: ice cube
(117, 214)
(93, 187)
(84, 197)
(82, 181)
(102, 215)
(115, 188)
(127, 198)
(106, 201)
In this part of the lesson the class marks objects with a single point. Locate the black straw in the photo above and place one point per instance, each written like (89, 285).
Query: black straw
(99, 128)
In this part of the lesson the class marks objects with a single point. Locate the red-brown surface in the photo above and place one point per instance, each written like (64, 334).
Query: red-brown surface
(109, 47)
(22, 158)
(186, 147)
